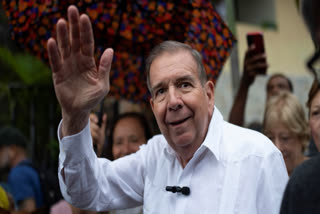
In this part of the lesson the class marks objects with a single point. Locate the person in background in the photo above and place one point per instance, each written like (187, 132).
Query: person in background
(98, 132)
(313, 105)
(23, 179)
(255, 64)
(128, 132)
(286, 126)
(302, 194)
(278, 83)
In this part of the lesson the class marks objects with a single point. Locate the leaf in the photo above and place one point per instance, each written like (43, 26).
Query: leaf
(29, 69)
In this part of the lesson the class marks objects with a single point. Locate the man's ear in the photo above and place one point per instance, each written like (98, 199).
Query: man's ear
(209, 87)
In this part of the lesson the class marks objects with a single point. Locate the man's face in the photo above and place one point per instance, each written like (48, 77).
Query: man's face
(276, 85)
(181, 104)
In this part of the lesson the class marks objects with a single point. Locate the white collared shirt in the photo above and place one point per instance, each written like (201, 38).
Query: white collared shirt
(235, 170)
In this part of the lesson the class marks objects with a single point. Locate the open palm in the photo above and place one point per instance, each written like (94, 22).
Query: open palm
(78, 84)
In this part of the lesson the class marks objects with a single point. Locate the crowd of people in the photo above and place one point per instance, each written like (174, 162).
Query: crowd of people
(200, 163)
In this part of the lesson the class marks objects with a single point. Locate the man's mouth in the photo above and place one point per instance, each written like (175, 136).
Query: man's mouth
(179, 121)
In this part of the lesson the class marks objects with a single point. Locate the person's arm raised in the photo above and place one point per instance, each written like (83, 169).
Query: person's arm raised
(253, 65)
(78, 84)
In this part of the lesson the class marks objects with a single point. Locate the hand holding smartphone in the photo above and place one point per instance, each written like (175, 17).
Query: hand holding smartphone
(256, 55)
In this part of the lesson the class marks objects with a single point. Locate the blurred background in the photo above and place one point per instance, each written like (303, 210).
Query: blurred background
(287, 44)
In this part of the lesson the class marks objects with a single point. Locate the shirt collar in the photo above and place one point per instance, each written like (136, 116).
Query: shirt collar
(212, 140)
(214, 134)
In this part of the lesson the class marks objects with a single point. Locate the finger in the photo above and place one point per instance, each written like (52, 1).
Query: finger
(93, 118)
(54, 56)
(260, 65)
(257, 69)
(104, 122)
(73, 17)
(86, 36)
(105, 66)
(256, 58)
(63, 38)
(94, 135)
(94, 127)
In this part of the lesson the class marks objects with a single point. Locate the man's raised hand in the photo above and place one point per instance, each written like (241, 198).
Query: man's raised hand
(78, 84)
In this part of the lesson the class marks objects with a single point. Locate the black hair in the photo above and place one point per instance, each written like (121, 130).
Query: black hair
(283, 76)
(12, 136)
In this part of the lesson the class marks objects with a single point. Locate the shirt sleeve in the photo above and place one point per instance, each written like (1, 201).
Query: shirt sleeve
(95, 183)
(272, 182)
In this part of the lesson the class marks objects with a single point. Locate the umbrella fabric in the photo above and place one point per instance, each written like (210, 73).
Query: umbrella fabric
(131, 28)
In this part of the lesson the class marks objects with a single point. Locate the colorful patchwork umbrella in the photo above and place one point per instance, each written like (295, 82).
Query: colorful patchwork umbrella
(131, 28)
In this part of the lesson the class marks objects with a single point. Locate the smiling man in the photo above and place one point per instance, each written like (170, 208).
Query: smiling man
(199, 164)
(181, 102)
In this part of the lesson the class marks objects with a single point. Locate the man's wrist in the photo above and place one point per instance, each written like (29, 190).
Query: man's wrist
(73, 124)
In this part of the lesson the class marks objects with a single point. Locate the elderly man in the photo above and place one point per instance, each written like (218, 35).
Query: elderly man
(200, 163)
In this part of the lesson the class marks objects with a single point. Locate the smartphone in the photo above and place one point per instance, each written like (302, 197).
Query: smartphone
(256, 38)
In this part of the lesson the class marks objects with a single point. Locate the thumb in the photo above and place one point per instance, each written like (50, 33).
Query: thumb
(105, 64)
(104, 122)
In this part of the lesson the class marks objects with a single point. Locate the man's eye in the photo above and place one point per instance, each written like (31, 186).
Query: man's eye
(159, 92)
(185, 85)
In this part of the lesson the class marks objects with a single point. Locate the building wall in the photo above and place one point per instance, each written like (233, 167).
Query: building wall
(287, 49)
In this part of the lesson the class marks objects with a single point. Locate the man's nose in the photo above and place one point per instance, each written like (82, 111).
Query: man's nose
(174, 99)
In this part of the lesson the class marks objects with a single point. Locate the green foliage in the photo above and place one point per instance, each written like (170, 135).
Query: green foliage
(270, 25)
(27, 69)
(28, 102)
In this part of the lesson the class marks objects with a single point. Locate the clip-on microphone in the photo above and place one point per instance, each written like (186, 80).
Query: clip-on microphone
(174, 189)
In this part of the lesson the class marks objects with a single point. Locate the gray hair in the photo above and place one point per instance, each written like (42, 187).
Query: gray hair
(172, 47)
(310, 10)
